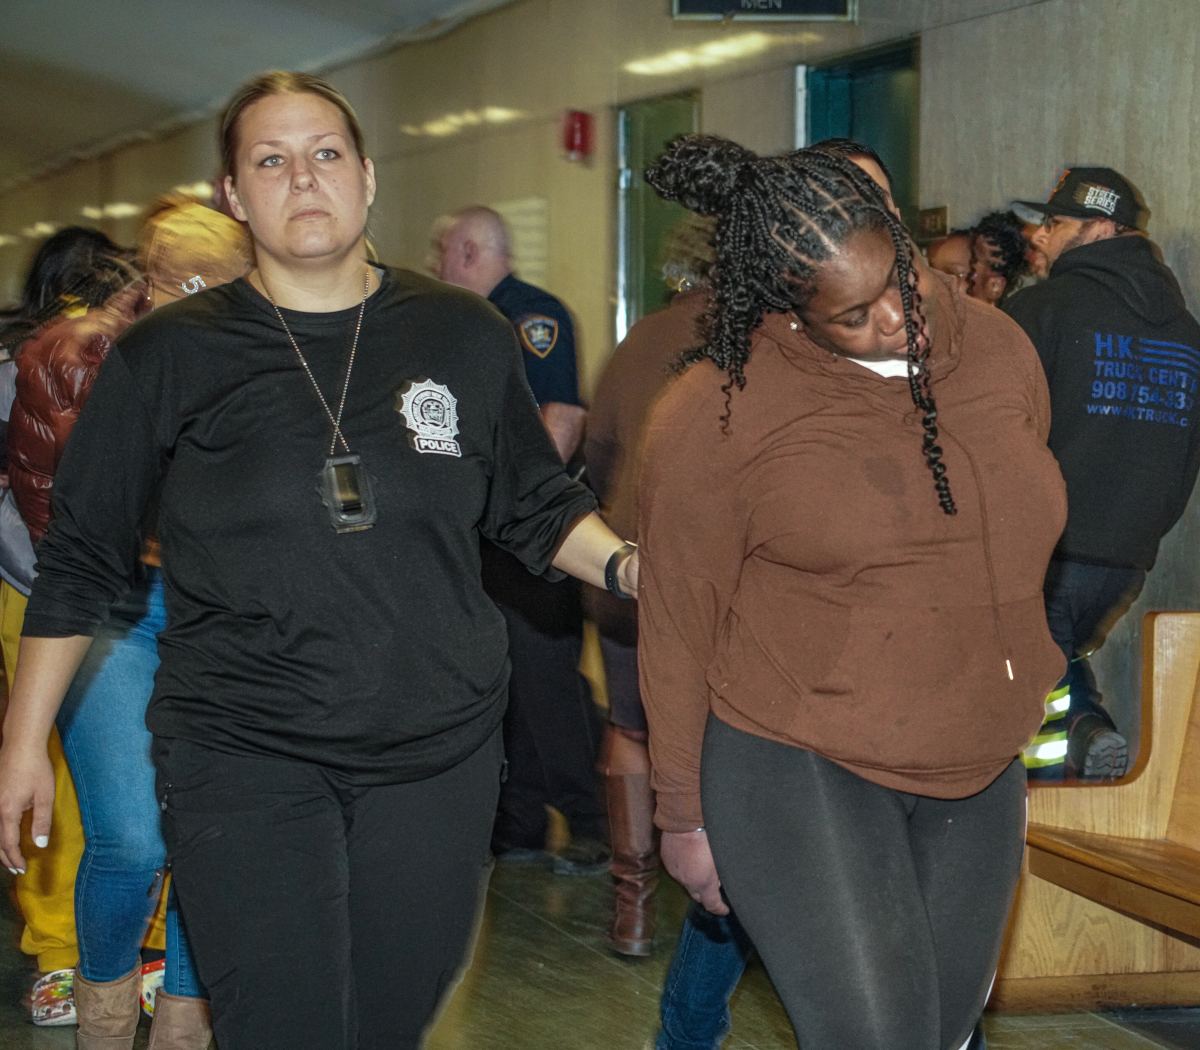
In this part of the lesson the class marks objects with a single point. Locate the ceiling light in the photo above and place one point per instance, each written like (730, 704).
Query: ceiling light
(116, 210)
(714, 53)
(39, 229)
(201, 189)
(453, 123)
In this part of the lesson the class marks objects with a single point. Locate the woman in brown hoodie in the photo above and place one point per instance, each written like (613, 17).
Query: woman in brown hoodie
(845, 525)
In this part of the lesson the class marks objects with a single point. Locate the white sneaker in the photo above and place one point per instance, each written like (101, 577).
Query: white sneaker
(52, 999)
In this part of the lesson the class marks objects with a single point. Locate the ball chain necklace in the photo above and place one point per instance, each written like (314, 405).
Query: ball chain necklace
(345, 486)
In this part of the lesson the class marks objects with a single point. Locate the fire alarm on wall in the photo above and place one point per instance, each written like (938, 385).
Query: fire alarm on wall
(577, 134)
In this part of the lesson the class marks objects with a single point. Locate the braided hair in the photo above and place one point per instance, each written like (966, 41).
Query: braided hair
(851, 148)
(1002, 232)
(778, 220)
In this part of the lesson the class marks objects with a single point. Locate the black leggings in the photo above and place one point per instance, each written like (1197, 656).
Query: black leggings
(325, 916)
(878, 914)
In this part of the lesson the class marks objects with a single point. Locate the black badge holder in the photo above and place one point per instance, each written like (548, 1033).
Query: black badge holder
(346, 492)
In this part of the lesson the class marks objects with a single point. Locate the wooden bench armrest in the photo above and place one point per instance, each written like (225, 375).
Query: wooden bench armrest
(1155, 880)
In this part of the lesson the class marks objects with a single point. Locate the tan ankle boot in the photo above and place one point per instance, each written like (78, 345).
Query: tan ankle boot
(108, 1011)
(626, 768)
(180, 1023)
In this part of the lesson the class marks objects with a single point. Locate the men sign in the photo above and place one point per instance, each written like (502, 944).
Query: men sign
(778, 10)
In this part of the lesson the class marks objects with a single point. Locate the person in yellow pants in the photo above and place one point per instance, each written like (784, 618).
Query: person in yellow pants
(46, 893)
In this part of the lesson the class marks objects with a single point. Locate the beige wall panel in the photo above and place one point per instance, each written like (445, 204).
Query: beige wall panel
(582, 243)
(23, 207)
(545, 55)
(394, 188)
(143, 170)
(379, 93)
(76, 188)
(58, 201)
(758, 110)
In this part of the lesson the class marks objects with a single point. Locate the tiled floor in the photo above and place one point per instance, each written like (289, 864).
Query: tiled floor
(543, 979)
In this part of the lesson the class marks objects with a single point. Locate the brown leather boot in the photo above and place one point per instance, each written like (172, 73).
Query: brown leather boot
(625, 762)
(108, 1011)
(180, 1023)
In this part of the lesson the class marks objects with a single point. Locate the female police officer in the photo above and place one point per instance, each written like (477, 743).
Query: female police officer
(327, 440)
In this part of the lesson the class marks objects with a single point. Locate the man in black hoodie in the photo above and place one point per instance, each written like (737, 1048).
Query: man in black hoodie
(1122, 357)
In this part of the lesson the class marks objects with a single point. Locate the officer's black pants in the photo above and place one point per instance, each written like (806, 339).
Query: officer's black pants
(878, 914)
(551, 729)
(325, 916)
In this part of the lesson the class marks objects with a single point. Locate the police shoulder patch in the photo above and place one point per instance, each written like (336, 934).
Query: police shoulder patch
(538, 334)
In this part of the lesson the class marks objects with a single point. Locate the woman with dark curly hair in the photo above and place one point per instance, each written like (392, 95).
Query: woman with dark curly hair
(845, 524)
(997, 257)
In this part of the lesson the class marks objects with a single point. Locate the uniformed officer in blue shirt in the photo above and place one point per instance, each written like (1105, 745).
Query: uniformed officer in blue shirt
(550, 731)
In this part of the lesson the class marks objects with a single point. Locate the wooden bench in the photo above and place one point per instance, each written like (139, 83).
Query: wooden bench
(1108, 911)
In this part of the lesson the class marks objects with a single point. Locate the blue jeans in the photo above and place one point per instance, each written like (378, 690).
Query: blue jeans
(708, 963)
(103, 728)
(1083, 601)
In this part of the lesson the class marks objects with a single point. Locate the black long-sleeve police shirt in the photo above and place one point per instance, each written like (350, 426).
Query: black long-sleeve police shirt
(375, 653)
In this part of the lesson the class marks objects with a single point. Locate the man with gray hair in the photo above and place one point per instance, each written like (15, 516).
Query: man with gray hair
(474, 251)
(550, 729)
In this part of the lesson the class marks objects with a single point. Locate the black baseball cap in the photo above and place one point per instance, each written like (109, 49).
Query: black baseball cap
(1090, 193)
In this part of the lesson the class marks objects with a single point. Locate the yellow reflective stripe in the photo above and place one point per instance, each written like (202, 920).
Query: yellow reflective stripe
(1042, 738)
(1046, 750)
(1057, 707)
(1041, 763)
(1058, 703)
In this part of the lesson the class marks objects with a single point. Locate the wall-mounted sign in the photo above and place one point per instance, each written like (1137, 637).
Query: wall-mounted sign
(780, 10)
(931, 224)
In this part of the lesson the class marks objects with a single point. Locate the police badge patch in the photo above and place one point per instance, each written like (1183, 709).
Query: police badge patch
(430, 412)
(538, 334)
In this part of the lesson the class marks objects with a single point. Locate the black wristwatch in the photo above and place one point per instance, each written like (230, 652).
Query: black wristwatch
(613, 565)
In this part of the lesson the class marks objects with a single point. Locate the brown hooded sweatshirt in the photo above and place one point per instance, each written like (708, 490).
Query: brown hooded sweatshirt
(800, 580)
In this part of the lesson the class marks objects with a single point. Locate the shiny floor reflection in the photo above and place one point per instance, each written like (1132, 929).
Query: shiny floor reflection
(542, 978)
